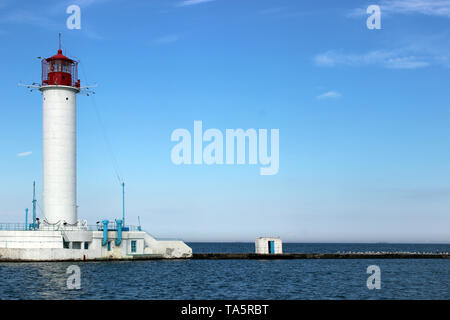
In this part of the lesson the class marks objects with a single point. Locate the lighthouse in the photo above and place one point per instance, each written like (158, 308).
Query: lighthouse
(59, 87)
(60, 236)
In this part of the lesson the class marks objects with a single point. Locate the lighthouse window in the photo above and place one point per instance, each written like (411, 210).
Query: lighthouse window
(76, 245)
(109, 245)
(133, 246)
(86, 245)
(66, 97)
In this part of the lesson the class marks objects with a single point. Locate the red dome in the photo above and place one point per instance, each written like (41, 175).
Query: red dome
(59, 56)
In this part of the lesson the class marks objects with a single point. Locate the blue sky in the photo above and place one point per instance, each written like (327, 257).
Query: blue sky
(363, 115)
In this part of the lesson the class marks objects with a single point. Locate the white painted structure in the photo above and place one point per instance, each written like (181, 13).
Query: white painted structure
(59, 154)
(85, 245)
(268, 245)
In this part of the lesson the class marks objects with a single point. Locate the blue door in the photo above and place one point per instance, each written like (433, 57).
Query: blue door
(271, 246)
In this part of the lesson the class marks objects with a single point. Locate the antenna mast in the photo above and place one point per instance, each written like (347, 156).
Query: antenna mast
(123, 203)
(34, 205)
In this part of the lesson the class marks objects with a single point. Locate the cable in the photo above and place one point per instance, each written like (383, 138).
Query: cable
(114, 161)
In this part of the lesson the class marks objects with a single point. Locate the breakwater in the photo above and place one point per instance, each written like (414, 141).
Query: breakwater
(345, 255)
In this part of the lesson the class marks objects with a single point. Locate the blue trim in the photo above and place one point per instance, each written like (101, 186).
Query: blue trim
(123, 202)
(119, 232)
(26, 219)
(105, 232)
(271, 246)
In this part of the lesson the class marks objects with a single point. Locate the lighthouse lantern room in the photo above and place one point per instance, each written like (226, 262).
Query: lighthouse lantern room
(60, 70)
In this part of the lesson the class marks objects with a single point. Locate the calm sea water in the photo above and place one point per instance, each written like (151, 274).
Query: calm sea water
(237, 279)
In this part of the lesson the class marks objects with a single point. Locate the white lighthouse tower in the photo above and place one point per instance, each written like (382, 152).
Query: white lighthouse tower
(59, 88)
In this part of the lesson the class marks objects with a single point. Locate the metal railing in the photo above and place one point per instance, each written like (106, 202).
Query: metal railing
(13, 226)
(112, 226)
(44, 227)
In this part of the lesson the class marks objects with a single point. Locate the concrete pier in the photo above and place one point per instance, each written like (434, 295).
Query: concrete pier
(254, 256)
(383, 255)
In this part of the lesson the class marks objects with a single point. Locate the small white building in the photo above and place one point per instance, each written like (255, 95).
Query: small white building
(268, 245)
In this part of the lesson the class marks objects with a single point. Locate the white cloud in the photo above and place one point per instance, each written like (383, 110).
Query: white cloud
(405, 63)
(383, 58)
(28, 17)
(426, 7)
(329, 95)
(192, 2)
(85, 3)
(24, 154)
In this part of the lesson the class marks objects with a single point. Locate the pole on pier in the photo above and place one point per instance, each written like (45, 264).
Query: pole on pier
(34, 205)
(123, 203)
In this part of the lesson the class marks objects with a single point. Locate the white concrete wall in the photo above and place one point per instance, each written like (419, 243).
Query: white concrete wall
(167, 248)
(48, 245)
(59, 174)
(31, 239)
(262, 246)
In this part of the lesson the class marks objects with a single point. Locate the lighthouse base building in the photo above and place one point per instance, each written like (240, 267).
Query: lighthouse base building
(84, 244)
(59, 235)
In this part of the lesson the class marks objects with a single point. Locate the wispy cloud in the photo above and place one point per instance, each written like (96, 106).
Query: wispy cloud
(329, 95)
(425, 7)
(28, 17)
(167, 39)
(85, 3)
(48, 17)
(192, 2)
(24, 154)
(384, 58)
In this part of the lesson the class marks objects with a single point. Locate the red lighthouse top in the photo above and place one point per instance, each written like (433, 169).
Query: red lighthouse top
(60, 70)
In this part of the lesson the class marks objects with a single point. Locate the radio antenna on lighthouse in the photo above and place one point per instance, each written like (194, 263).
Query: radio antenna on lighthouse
(60, 41)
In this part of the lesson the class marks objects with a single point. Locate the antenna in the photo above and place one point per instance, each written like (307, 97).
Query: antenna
(26, 219)
(60, 41)
(34, 205)
(123, 203)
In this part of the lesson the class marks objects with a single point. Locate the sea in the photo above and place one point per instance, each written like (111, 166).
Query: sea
(237, 279)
